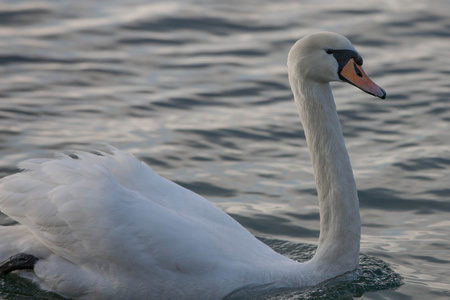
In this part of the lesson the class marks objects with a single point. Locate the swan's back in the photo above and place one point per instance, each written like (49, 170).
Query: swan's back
(109, 220)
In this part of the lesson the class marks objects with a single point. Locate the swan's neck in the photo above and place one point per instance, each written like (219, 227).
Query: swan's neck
(340, 224)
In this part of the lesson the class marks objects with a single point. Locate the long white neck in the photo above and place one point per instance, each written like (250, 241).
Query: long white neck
(340, 224)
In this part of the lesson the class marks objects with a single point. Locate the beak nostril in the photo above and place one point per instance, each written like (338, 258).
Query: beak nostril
(357, 71)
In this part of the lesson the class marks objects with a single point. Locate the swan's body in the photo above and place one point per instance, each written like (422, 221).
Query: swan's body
(109, 227)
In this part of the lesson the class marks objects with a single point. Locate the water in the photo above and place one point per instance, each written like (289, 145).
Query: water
(199, 90)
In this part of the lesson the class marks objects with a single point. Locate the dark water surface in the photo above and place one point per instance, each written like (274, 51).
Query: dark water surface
(199, 91)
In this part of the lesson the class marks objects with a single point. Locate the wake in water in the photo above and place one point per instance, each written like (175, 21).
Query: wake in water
(372, 275)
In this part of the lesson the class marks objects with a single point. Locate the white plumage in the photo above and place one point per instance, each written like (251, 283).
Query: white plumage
(106, 226)
(110, 227)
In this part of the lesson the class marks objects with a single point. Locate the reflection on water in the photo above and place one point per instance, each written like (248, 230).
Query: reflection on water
(199, 91)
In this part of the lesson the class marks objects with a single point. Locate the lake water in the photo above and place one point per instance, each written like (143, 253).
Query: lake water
(199, 91)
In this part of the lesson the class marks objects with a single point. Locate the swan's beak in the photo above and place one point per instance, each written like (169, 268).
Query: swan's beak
(354, 74)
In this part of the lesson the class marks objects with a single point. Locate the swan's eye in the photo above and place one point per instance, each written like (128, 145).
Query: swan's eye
(329, 51)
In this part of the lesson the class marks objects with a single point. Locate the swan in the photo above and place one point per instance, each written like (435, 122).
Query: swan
(106, 226)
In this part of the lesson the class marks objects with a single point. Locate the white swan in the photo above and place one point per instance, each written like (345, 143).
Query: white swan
(108, 227)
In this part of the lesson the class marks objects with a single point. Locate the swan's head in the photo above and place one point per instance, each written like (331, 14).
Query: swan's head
(327, 56)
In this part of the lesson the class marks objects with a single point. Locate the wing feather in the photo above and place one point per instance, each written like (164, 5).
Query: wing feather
(105, 205)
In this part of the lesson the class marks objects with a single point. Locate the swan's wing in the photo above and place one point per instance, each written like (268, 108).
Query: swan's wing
(96, 209)
(64, 204)
(138, 177)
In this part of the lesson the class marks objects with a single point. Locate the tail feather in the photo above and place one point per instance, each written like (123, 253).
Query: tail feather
(16, 238)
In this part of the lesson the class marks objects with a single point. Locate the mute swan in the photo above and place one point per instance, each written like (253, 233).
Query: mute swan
(108, 227)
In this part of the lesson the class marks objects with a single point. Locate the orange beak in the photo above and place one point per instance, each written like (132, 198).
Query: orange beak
(354, 74)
